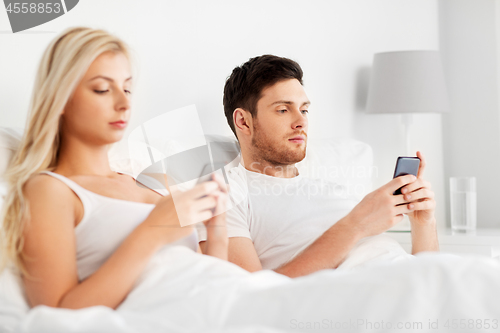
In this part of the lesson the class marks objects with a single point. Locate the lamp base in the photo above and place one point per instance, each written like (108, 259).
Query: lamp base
(407, 120)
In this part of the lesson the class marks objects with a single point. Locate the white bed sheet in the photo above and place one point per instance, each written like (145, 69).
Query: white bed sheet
(182, 291)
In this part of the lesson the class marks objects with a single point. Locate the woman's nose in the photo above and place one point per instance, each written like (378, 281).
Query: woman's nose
(122, 101)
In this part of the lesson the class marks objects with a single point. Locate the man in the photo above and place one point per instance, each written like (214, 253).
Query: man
(288, 223)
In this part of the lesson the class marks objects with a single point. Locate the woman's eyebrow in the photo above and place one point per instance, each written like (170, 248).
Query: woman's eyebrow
(107, 78)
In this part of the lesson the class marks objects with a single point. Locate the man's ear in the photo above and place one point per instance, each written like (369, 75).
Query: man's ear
(242, 121)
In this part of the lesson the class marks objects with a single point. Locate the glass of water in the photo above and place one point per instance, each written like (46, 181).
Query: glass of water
(463, 202)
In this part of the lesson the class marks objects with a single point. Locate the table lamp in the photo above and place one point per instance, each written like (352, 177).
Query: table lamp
(407, 82)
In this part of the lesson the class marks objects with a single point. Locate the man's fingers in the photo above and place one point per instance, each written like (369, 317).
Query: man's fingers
(402, 209)
(416, 186)
(422, 205)
(422, 193)
(421, 168)
(400, 181)
(399, 199)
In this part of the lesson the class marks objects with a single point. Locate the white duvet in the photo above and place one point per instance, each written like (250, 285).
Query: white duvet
(182, 291)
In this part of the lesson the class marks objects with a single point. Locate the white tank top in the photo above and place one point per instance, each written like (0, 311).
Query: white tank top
(105, 224)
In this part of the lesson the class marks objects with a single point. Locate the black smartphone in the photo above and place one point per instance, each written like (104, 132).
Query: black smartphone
(406, 166)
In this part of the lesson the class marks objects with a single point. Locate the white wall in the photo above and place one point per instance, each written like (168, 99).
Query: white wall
(186, 49)
(469, 42)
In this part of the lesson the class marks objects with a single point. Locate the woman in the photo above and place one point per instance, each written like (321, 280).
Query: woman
(79, 232)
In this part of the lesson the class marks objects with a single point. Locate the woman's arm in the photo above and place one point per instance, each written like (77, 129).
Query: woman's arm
(49, 241)
(112, 282)
(51, 245)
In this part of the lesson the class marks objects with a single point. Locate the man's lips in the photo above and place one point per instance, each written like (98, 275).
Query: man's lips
(298, 139)
(119, 123)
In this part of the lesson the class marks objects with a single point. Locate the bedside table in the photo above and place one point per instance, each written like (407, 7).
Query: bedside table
(483, 242)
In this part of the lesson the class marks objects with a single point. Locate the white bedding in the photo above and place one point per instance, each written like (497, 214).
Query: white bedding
(182, 291)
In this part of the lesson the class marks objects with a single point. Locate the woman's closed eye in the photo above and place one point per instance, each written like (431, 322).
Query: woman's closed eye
(105, 91)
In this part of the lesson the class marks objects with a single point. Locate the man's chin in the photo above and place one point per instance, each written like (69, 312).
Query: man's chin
(279, 154)
(297, 156)
(301, 158)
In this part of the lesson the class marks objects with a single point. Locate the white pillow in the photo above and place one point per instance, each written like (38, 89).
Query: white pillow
(346, 161)
(13, 301)
(9, 142)
(341, 160)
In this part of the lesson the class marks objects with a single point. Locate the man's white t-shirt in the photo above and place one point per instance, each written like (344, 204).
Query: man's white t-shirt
(282, 216)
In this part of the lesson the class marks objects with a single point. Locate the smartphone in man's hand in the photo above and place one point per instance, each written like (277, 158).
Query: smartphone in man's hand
(406, 166)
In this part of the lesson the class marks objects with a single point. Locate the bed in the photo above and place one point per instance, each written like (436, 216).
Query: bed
(378, 288)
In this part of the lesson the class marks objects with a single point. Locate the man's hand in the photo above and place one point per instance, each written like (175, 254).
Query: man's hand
(420, 198)
(380, 209)
(377, 212)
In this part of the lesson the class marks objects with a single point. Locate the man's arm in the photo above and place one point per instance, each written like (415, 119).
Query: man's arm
(328, 251)
(376, 213)
(424, 237)
(423, 223)
(417, 200)
(242, 253)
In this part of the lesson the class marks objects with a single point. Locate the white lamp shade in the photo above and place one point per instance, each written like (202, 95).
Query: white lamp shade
(407, 82)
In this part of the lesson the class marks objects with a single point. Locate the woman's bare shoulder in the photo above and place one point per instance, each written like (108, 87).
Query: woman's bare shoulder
(46, 189)
(50, 201)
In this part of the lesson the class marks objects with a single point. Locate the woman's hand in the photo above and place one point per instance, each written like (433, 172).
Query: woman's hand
(420, 198)
(175, 214)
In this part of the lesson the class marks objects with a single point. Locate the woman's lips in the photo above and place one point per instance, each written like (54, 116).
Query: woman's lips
(119, 124)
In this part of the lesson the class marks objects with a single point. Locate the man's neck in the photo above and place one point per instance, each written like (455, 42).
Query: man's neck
(269, 169)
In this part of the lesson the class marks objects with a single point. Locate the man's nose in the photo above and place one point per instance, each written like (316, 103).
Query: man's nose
(300, 120)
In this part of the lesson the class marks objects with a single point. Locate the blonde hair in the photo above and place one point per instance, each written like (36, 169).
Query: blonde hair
(63, 65)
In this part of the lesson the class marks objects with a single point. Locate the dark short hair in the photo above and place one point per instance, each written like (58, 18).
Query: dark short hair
(244, 86)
